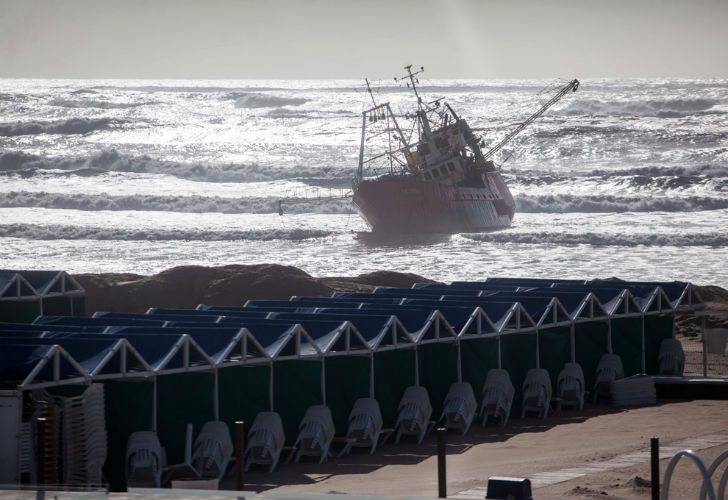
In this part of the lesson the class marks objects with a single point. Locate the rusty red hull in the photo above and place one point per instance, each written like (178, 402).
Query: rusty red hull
(410, 205)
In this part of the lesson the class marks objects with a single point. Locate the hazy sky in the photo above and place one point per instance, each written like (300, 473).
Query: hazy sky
(356, 38)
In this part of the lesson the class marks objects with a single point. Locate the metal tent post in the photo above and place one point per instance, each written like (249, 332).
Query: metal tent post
(572, 334)
(154, 403)
(500, 363)
(655, 467)
(216, 398)
(417, 366)
(609, 336)
(323, 380)
(270, 386)
(538, 346)
(644, 361)
(460, 363)
(705, 352)
(371, 375)
(239, 455)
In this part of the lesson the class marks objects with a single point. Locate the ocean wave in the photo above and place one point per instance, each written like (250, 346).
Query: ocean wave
(185, 204)
(27, 165)
(699, 172)
(95, 103)
(594, 204)
(70, 126)
(60, 232)
(596, 239)
(257, 100)
(661, 108)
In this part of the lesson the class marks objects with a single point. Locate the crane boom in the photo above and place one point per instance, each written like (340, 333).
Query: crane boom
(572, 86)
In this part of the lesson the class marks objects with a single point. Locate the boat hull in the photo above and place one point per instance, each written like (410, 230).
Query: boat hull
(408, 205)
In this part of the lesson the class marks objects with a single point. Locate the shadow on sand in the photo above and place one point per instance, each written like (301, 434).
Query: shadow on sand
(408, 452)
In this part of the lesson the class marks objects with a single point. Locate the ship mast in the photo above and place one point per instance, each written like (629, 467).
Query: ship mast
(412, 83)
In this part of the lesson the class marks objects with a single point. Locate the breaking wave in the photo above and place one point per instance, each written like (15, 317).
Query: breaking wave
(27, 165)
(70, 126)
(596, 239)
(594, 204)
(58, 232)
(186, 204)
(661, 108)
(256, 100)
(94, 103)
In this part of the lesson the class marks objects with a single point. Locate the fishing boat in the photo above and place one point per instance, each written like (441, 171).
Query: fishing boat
(432, 174)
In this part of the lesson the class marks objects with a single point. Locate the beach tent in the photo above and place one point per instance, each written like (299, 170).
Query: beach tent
(26, 294)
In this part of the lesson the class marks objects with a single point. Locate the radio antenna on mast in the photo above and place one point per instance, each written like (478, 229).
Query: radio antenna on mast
(412, 81)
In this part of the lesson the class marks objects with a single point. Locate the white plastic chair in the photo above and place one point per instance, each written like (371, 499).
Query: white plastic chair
(536, 392)
(365, 425)
(265, 440)
(671, 357)
(498, 393)
(315, 433)
(570, 386)
(212, 450)
(144, 460)
(414, 413)
(459, 407)
(609, 369)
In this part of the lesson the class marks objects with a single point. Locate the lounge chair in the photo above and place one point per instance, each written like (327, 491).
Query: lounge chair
(265, 440)
(315, 433)
(414, 413)
(536, 392)
(459, 407)
(365, 425)
(498, 392)
(609, 369)
(212, 450)
(144, 460)
(570, 386)
(671, 357)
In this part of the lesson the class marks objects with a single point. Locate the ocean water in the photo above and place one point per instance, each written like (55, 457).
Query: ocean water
(623, 178)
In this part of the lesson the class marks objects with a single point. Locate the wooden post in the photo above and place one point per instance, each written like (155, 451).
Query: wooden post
(441, 471)
(655, 470)
(239, 452)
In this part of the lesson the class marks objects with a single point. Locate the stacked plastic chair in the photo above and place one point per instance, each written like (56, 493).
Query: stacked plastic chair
(570, 386)
(671, 357)
(609, 369)
(145, 460)
(459, 407)
(84, 436)
(365, 425)
(414, 413)
(212, 450)
(265, 440)
(315, 433)
(498, 393)
(536, 392)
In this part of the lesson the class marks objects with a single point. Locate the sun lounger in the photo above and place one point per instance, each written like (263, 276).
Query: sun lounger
(265, 440)
(609, 369)
(459, 407)
(365, 426)
(144, 460)
(570, 386)
(315, 434)
(414, 413)
(536, 392)
(498, 392)
(212, 450)
(671, 357)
